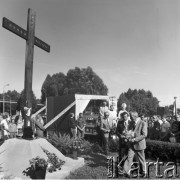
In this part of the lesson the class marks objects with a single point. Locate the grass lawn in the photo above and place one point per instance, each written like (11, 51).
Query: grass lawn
(96, 168)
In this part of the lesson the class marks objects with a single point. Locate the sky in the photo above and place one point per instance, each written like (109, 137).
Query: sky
(128, 43)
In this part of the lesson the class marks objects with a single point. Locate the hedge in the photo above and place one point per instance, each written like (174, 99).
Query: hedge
(165, 151)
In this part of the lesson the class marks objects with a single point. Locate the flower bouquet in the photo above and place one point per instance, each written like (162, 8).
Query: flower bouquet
(128, 136)
(39, 166)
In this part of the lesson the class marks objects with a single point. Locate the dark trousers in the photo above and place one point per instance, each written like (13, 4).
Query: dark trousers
(80, 134)
(105, 142)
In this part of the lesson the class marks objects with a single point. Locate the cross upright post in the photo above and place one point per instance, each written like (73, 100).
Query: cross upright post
(29, 62)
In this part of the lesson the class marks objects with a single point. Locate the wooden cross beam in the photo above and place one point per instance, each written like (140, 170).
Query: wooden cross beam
(31, 40)
(9, 25)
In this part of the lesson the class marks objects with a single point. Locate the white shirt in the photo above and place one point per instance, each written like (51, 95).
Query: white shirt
(113, 117)
(5, 124)
(138, 119)
(102, 110)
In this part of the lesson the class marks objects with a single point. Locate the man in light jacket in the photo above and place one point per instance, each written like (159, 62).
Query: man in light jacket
(138, 145)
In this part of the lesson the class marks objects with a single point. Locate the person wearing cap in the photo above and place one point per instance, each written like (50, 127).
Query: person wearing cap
(105, 128)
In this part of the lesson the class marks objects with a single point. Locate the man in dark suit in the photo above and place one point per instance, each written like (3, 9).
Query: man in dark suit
(138, 145)
(121, 128)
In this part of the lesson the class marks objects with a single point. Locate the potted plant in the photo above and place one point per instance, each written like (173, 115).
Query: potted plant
(39, 166)
(76, 146)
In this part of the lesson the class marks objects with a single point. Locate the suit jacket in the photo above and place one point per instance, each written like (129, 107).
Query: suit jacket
(120, 132)
(140, 133)
(105, 124)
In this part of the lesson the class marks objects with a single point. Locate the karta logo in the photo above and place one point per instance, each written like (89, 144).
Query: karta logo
(115, 169)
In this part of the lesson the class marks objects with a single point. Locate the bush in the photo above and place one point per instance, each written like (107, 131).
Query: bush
(64, 143)
(86, 147)
(165, 151)
(96, 148)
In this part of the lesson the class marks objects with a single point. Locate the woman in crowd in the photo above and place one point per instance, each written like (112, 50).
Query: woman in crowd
(12, 129)
(4, 124)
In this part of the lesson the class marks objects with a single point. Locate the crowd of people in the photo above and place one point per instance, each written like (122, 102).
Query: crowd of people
(12, 126)
(163, 129)
(133, 130)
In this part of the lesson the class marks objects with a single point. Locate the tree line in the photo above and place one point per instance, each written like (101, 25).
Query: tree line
(86, 81)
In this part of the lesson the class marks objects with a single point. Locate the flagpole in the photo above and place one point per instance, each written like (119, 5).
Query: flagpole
(175, 108)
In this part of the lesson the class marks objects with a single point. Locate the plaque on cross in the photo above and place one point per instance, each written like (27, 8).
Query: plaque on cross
(31, 40)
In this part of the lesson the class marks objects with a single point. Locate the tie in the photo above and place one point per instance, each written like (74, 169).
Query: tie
(135, 124)
(126, 125)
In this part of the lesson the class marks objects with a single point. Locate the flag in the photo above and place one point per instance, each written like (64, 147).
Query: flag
(174, 109)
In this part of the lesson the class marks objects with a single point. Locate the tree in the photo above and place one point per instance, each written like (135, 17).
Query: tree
(53, 86)
(21, 103)
(12, 98)
(78, 80)
(85, 81)
(139, 100)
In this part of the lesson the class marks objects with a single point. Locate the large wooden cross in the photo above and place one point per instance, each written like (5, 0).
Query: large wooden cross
(31, 40)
